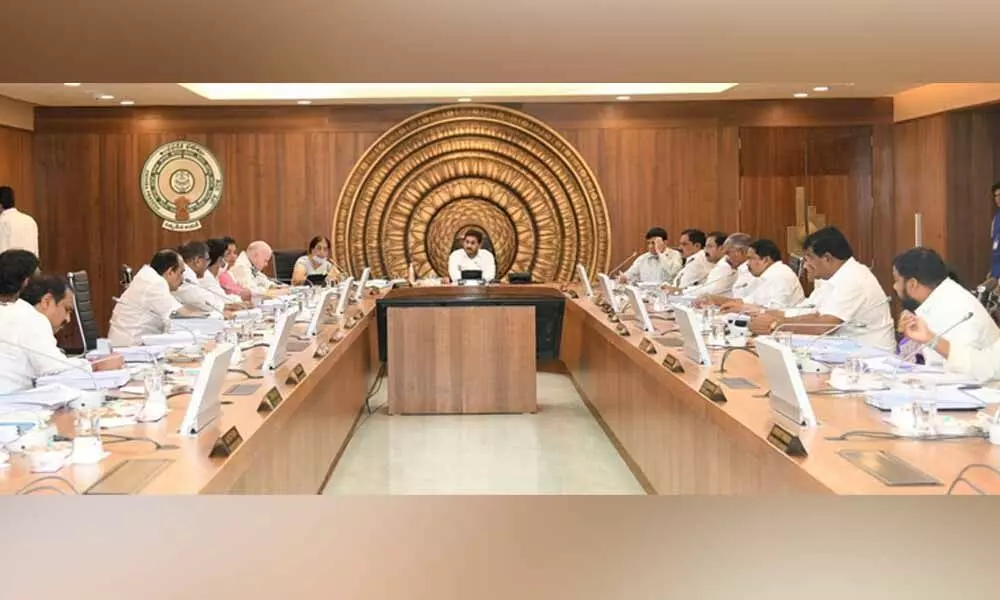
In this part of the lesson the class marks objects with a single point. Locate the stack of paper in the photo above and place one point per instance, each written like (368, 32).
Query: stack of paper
(835, 350)
(208, 327)
(137, 354)
(80, 380)
(172, 340)
(50, 395)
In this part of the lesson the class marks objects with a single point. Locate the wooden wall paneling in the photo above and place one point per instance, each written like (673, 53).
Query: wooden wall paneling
(883, 212)
(971, 155)
(17, 166)
(772, 165)
(920, 156)
(670, 163)
(839, 182)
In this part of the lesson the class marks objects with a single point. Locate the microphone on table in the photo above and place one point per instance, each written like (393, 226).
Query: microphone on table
(929, 343)
(170, 323)
(624, 262)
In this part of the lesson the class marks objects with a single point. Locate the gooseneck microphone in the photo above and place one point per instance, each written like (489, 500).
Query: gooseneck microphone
(930, 343)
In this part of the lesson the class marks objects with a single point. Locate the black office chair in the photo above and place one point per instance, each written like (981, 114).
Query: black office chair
(284, 264)
(125, 277)
(795, 263)
(83, 308)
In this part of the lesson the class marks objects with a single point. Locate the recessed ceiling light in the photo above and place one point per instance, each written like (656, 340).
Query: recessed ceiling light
(71, 84)
(127, 102)
(801, 95)
(105, 97)
(623, 97)
(304, 102)
(821, 88)
(465, 99)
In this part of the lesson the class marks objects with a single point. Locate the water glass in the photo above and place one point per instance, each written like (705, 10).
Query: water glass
(856, 369)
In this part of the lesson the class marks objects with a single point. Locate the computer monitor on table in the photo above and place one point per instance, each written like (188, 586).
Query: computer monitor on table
(324, 304)
(788, 392)
(277, 350)
(608, 289)
(694, 344)
(581, 271)
(641, 313)
(205, 405)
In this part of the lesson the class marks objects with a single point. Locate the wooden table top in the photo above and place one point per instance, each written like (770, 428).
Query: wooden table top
(192, 470)
(745, 413)
(474, 293)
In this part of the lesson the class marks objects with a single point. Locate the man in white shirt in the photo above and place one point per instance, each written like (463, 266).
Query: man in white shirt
(17, 230)
(961, 358)
(248, 270)
(472, 257)
(191, 293)
(920, 279)
(148, 304)
(28, 325)
(659, 264)
(777, 285)
(853, 295)
(721, 276)
(742, 282)
(696, 264)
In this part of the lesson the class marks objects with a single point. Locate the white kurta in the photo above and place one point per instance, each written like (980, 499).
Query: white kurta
(695, 270)
(18, 231)
(459, 261)
(719, 281)
(248, 276)
(23, 325)
(777, 287)
(852, 294)
(146, 309)
(655, 268)
(192, 294)
(949, 303)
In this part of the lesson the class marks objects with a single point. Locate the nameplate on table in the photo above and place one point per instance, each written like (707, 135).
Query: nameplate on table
(296, 375)
(712, 391)
(647, 346)
(673, 363)
(622, 330)
(270, 401)
(786, 441)
(226, 444)
(571, 294)
(322, 349)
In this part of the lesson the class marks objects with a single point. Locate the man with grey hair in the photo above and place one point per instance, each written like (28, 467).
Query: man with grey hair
(248, 270)
(742, 282)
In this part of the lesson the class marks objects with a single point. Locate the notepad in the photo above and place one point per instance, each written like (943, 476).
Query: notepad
(81, 380)
(52, 395)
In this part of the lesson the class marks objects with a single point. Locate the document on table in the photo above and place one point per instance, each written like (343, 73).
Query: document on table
(52, 395)
(81, 380)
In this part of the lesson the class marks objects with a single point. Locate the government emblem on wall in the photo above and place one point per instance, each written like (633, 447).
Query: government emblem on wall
(181, 183)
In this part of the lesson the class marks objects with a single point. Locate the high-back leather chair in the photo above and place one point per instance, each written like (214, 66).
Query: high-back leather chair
(83, 308)
(284, 264)
(125, 277)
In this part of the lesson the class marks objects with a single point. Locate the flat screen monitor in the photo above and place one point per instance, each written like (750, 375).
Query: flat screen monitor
(325, 302)
(345, 293)
(788, 392)
(277, 350)
(365, 276)
(635, 298)
(694, 344)
(608, 289)
(205, 405)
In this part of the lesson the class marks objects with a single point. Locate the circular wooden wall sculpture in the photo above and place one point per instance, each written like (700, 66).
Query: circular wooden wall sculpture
(428, 179)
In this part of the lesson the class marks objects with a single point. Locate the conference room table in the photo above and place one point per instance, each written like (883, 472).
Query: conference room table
(675, 440)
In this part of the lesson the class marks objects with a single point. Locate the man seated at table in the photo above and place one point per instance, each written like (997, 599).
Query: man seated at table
(921, 280)
(852, 299)
(248, 270)
(777, 285)
(696, 263)
(191, 292)
(148, 304)
(659, 264)
(741, 284)
(721, 276)
(28, 347)
(472, 257)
